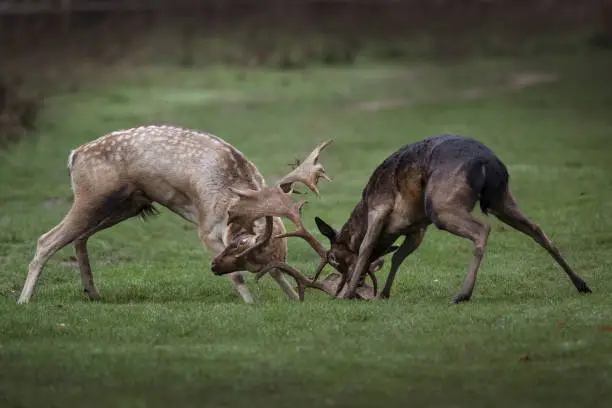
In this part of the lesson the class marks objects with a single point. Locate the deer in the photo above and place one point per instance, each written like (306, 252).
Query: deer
(194, 174)
(436, 181)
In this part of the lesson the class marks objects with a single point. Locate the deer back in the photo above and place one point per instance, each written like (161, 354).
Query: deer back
(188, 171)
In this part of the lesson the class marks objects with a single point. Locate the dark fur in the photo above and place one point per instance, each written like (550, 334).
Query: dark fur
(436, 181)
(125, 199)
(440, 155)
(147, 212)
(430, 159)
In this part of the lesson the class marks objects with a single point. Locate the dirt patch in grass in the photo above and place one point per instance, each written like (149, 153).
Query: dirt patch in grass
(528, 79)
(513, 82)
(377, 105)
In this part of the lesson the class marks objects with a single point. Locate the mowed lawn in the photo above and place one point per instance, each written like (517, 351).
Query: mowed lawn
(169, 333)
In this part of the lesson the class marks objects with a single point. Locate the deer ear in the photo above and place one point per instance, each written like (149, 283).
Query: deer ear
(326, 230)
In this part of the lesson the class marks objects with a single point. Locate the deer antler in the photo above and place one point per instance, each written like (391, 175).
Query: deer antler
(295, 215)
(254, 204)
(248, 210)
(308, 172)
(276, 201)
(328, 285)
(344, 278)
(302, 280)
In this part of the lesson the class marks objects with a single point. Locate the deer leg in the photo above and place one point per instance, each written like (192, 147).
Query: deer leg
(89, 287)
(410, 244)
(461, 223)
(237, 279)
(279, 277)
(375, 226)
(129, 210)
(78, 220)
(509, 212)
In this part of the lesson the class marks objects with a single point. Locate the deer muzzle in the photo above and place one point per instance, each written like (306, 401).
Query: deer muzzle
(222, 265)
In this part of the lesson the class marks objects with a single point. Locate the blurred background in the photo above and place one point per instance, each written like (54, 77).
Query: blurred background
(48, 46)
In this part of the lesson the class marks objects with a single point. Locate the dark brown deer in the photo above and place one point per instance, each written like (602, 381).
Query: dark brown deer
(434, 181)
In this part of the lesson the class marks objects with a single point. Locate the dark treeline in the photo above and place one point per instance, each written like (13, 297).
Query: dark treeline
(288, 33)
(51, 44)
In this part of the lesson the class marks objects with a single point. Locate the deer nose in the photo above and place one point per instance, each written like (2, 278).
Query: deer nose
(221, 267)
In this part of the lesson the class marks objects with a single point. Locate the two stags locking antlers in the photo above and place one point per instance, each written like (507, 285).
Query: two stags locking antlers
(276, 201)
(435, 181)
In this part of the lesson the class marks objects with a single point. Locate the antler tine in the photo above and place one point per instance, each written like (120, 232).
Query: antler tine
(254, 204)
(319, 268)
(308, 172)
(301, 280)
(295, 215)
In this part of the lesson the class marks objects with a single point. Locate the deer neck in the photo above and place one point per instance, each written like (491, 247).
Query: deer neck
(354, 230)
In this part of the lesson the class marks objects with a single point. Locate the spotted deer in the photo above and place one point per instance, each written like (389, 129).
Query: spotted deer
(122, 174)
(435, 181)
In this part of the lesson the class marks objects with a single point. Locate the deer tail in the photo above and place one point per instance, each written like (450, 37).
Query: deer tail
(489, 180)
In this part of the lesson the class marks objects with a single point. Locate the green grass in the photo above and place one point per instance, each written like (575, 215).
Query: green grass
(169, 333)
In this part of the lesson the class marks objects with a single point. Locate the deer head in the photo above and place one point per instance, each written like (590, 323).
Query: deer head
(247, 249)
(244, 250)
(342, 258)
(251, 205)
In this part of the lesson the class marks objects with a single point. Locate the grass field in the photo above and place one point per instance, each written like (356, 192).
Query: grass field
(169, 333)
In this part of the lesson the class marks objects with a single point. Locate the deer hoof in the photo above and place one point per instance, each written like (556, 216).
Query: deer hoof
(583, 288)
(92, 294)
(461, 298)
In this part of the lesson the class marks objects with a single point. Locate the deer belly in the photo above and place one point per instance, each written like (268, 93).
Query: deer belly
(165, 194)
(402, 222)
